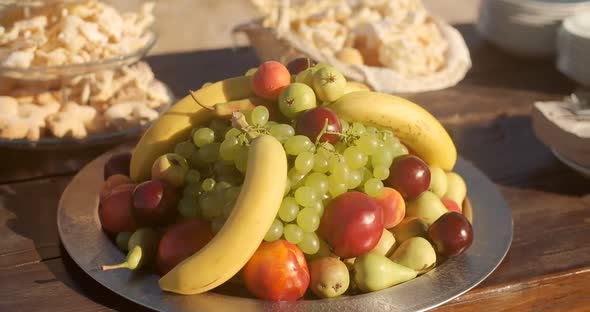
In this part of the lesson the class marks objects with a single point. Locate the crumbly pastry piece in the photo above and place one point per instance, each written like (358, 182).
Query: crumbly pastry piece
(71, 120)
(74, 33)
(397, 34)
(94, 103)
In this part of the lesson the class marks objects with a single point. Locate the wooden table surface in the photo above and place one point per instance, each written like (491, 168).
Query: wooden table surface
(488, 116)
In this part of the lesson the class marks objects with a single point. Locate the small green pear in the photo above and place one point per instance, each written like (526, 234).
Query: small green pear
(374, 272)
(427, 207)
(438, 181)
(385, 245)
(409, 227)
(415, 253)
(456, 189)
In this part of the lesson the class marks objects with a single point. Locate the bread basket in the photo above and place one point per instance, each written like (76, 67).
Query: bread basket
(282, 44)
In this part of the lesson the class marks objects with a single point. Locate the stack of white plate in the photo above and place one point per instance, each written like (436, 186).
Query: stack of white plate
(573, 48)
(526, 27)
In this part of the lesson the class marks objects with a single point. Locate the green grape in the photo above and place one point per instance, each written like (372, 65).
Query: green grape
(354, 157)
(225, 169)
(188, 207)
(281, 132)
(203, 137)
(288, 209)
(275, 231)
(336, 189)
(368, 144)
(308, 220)
(366, 175)
(340, 147)
(217, 224)
(306, 196)
(403, 150)
(209, 153)
(320, 163)
(192, 176)
(387, 134)
(295, 177)
(357, 129)
(259, 115)
(241, 161)
(248, 116)
(228, 150)
(354, 179)
(317, 181)
(373, 187)
(122, 241)
(304, 162)
(220, 127)
(372, 131)
(221, 186)
(211, 206)
(345, 125)
(232, 193)
(382, 158)
(287, 187)
(339, 171)
(298, 144)
(232, 133)
(318, 207)
(381, 172)
(293, 234)
(327, 149)
(309, 244)
(227, 208)
(208, 184)
(185, 149)
(233, 179)
(192, 190)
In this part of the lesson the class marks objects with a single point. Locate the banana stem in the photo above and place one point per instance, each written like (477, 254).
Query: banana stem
(238, 121)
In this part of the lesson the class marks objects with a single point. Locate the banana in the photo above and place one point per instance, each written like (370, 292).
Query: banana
(413, 125)
(242, 233)
(352, 86)
(176, 123)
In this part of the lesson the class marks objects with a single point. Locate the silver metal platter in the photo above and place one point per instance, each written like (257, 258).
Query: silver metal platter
(81, 234)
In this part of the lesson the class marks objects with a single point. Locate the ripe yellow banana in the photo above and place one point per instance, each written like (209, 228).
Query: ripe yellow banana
(176, 123)
(352, 86)
(242, 233)
(412, 124)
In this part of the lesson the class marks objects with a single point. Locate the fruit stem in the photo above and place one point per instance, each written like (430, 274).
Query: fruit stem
(324, 129)
(192, 93)
(238, 120)
(123, 265)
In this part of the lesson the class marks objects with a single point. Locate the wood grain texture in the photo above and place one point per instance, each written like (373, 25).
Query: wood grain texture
(564, 291)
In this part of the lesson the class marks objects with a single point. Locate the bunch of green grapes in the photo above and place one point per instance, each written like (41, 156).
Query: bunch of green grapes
(319, 172)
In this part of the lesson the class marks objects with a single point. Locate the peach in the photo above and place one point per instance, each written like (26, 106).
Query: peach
(393, 205)
(277, 271)
(270, 79)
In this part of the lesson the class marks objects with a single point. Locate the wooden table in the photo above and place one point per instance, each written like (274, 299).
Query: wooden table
(487, 114)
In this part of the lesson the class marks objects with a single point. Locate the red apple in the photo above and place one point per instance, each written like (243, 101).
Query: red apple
(393, 205)
(180, 242)
(352, 224)
(451, 205)
(116, 211)
(110, 183)
(277, 271)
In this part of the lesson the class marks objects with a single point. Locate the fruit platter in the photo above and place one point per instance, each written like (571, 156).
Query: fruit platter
(287, 188)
